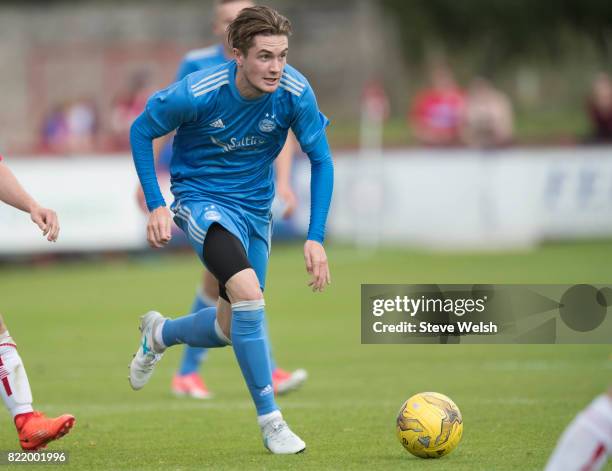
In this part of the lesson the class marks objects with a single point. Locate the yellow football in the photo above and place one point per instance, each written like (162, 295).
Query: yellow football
(429, 425)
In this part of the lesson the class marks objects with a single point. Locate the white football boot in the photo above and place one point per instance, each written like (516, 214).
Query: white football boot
(279, 439)
(148, 354)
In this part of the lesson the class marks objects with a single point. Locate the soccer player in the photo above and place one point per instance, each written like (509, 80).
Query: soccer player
(223, 188)
(586, 443)
(34, 429)
(186, 381)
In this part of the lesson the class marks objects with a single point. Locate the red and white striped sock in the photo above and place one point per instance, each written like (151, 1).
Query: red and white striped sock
(14, 384)
(587, 441)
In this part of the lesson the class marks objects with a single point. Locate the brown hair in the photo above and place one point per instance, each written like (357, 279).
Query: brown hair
(254, 21)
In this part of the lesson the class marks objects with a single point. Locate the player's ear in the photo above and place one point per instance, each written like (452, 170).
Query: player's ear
(238, 55)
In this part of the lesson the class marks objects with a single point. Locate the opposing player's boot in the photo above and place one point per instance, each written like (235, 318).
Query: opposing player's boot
(279, 439)
(287, 381)
(148, 353)
(190, 385)
(35, 430)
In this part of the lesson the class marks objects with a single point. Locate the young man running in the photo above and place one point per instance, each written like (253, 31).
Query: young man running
(232, 122)
(187, 381)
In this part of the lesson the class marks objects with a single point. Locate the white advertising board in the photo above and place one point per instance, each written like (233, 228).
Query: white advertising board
(459, 199)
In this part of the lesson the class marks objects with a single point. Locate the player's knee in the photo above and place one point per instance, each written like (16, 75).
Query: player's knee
(251, 293)
(244, 286)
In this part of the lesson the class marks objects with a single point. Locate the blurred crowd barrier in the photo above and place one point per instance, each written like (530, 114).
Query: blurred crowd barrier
(438, 199)
(94, 198)
(466, 199)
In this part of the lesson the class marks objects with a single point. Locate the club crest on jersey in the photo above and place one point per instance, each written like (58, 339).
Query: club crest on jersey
(267, 124)
(212, 215)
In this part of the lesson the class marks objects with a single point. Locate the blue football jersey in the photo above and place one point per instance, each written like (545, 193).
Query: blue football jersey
(200, 59)
(225, 145)
(197, 59)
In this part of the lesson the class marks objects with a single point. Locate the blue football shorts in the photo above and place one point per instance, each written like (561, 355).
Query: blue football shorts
(253, 231)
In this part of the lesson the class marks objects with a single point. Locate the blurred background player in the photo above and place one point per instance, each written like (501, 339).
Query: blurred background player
(187, 381)
(223, 196)
(34, 429)
(435, 115)
(586, 443)
(487, 121)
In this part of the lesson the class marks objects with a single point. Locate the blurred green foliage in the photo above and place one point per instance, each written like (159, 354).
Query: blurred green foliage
(502, 29)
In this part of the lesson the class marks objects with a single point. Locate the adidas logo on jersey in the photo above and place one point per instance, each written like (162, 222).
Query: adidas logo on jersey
(217, 124)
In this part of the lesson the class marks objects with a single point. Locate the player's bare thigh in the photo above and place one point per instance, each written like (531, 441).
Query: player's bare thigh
(210, 285)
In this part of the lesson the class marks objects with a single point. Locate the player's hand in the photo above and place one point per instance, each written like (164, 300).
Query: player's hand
(140, 199)
(159, 227)
(316, 265)
(46, 219)
(286, 194)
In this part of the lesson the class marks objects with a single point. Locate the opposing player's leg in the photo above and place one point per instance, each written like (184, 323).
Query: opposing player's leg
(34, 429)
(259, 250)
(187, 381)
(586, 443)
(226, 258)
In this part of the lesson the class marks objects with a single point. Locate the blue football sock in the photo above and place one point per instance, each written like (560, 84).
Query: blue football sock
(193, 356)
(272, 361)
(196, 330)
(251, 348)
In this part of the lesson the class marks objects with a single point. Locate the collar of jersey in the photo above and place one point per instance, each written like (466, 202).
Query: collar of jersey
(232, 83)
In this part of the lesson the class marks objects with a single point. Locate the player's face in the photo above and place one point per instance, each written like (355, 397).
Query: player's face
(261, 69)
(225, 14)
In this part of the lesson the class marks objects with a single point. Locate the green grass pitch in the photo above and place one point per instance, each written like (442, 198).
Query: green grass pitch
(76, 327)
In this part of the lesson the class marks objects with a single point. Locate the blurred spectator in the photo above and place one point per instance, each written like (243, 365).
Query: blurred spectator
(54, 132)
(436, 112)
(82, 124)
(127, 107)
(600, 109)
(488, 118)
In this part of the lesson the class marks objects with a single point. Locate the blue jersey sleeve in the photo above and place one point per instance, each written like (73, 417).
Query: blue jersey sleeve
(309, 127)
(308, 123)
(165, 111)
(321, 187)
